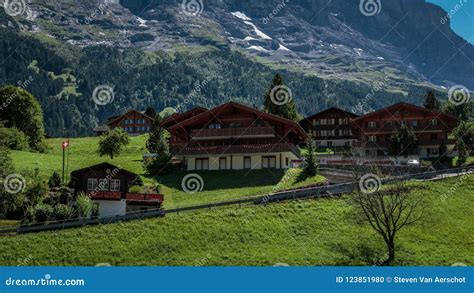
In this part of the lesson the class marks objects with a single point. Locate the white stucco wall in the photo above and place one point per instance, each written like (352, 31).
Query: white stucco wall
(109, 208)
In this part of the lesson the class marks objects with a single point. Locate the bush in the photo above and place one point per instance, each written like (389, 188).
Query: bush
(13, 139)
(63, 212)
(135, 189)
(54, 180)
(85, 206)
(42, 212)
(158, 166)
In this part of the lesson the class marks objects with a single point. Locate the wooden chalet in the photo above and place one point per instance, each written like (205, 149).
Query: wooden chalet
(331, 128)
(109, 186)
(232, 137)
(375, 129)
(133, 122)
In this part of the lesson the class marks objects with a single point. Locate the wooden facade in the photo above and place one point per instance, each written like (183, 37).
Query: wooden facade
(234, 136)
(375, 129)
(331, 128)
(133, 122)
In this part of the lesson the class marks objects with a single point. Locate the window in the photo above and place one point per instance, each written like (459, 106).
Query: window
(103, 185)
(434, 122)
(247, 162)
(318, 143)
(269, 162)
(372, 138)
(432, 151)
(372, 124)
(414, 124)
(202, 164)
(347, 143)
(114, 185)
(329, 143)
(222, 163)
(91, 184)
(215, 126)
(403, 123)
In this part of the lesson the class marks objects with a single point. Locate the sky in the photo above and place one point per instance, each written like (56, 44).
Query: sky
(462, 20)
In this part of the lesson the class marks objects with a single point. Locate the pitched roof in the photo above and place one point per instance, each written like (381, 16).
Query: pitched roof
(119, 118)
(329, 109)
(399, 106)
(219, 109)
(104, 165)
(179, 117)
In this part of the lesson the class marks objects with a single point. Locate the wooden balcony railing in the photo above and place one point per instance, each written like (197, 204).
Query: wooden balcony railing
(104, 195)
(179, 149)
(144, 197)
(224, 133)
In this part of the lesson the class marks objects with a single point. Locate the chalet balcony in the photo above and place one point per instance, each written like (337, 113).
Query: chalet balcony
(139, 197)
(229, 133)
(104, 195)
(233, 149)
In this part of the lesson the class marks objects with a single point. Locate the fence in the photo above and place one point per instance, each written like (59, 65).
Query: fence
(311, 192)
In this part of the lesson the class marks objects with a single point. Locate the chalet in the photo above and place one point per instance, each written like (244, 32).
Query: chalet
(108, 186)
(375, 129)
(232, 137)
(331, 128)
(133, 122)
(179, 117)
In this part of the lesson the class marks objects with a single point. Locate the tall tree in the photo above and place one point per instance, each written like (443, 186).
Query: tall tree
(112, 143)
(388, 211)
(310, 166)
(21, 110)
(279, 100)
(431, 102)
(157, 142)
(403, 142)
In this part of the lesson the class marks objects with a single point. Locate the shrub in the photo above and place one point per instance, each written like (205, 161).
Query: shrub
(85, 205)
(63, 212)
(54, 180)
(135, 189)
(158, 166)
(13, 139)
(42, 212)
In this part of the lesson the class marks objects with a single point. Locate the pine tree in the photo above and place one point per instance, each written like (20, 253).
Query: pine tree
(279, 100)
(310, 167)
(431, 102)
(157, 142)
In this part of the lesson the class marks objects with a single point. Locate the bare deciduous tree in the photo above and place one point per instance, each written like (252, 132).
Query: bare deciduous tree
(389, 210)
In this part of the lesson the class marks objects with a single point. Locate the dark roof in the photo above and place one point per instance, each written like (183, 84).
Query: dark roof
(118, 118)
(398, 106)
(219, 109)
(179, 117)
(329, 109)
(104, 165)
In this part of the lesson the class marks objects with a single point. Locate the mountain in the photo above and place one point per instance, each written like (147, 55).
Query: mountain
(167, 53)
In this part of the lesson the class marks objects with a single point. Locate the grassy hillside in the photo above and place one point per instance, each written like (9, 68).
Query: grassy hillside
(218, 185)
(312, 232)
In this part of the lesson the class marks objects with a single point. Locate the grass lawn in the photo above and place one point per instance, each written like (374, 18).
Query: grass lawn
(218, 185)
(310, 232)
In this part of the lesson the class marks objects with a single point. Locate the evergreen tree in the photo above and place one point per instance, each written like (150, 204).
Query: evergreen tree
(279, 100)
(112, 143)
(54, 180)
(431, 102)
(310, 167)
(463, 152)
(403, 142)
(157, 142)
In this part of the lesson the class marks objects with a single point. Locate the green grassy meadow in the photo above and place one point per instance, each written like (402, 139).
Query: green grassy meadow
(303, 233)
(218, 185)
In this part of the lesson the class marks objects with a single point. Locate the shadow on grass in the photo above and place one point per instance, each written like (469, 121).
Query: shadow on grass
(226, 179)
